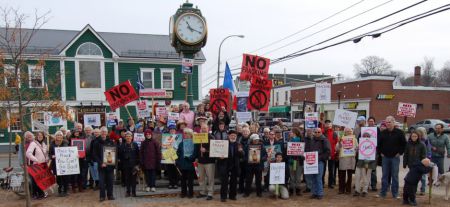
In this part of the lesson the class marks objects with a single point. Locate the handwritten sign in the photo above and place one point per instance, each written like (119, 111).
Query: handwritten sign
(406, 109)
(200, 138)
(367, 148)
(345, 118)
(311, 165)
(295, 148)
(277, 173)
(218, 148)
(174, 116)
(323, 93)
(348, 146)
(41, 175)
(66, 160)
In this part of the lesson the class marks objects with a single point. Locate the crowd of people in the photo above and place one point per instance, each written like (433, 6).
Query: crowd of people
(244, 165)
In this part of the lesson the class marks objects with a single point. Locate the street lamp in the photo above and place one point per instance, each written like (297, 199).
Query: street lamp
(218, 61)
(339, 99)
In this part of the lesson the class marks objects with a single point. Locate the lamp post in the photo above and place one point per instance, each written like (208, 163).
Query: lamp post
(218, 59)
(339, 99)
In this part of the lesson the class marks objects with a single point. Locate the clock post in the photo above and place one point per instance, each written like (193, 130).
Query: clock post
(188, 34)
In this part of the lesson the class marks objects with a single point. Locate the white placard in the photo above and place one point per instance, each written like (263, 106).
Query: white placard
(174, 116)
(311, 120)
(144, 113)
(41, 127)
(51, 119)
(218, 148)
(161, 111)
(92, 120)
(111, 119)
(16, 181)
(243, 116)
(139, 138)
(406, 109)
(367, 148)
(345, 118)
(311, 165)
(277, 173)
(323, 93)
(66, 160)
(295, 148)
(369, 132)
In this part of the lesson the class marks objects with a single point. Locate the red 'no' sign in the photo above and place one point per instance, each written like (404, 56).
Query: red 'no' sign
(120, 95)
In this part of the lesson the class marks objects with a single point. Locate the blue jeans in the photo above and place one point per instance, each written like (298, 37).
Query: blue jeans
(93, 170)
(317, 184)
(390, 167)
(439, 161)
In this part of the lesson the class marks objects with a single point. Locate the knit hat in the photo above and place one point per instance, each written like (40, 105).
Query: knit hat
(148, 132)
(254, 137)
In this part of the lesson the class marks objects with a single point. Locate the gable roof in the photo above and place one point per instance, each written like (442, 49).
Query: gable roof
(295, 77)
(53, 42)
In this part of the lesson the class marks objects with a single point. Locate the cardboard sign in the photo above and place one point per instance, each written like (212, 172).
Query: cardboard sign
(81, 146)
(345, 118)
(138, 138)
(311, 164)
(259, 94)
(92, 120)
(53, 119)
(406, 109)
(187, 65)
(188, 147)
(348, 146)
(219, 98)
(200, 138)
(254, 154)
(295, 148)
(153, 93)
(169, 144)
(41, 175)
(311, 120)
(66, 160)
(323, 93)
(272, 150)
(109, 155)
(111, 120)
(141, 105)
(254, 67)
(243, 116)
(367, 148)
(218, 148)
(173, 116)
(369, 132)
(120, 95)
(277, 173)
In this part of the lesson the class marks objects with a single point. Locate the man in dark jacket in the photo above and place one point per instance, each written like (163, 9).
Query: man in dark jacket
(391, 145)
(106, 170)
(416, 171)
(129, 156)
(255, 164)
(320, 144)
(229, 168)
(221, 133)
(206, 166)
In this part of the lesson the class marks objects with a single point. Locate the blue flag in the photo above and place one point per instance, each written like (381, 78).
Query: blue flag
(139, 83)
(228, 80)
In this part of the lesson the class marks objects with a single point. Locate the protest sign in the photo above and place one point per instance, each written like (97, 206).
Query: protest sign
(142, 114)
(111, 120)
(16, 181)
(218, 148)
(254, 154)
(240, 101)
(271, 150)
(259, 94)
(92, 120)
(311, 120)
(188, 147)
(219, 98)
(81, 146)
(254, 66)
(348, 144)
(406, 109)
(295, 148)
(66, 160)
(120, 95)
(345, 118)
(200, 138)
(54, 119)
(311, 165)
(243, 117)
(141, 105)
(161, 111)
(367, 148)
(169, 144)
(169, 156)
(41, 175)
(109, 155)
(153, 93)
(369, 132)
(187, 65)
(138, 138)
(323, 93)
(173, 116)
(277, 173)
(41, 127)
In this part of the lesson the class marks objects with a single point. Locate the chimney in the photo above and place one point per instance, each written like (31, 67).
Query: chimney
(417, 81)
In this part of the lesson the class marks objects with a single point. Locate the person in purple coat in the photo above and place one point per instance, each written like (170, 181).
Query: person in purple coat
(150, 159)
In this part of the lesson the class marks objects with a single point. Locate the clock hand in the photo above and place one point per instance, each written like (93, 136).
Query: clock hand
(196, 30)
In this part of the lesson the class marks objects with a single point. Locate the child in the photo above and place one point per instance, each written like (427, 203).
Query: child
(412, 179)
(282, 189)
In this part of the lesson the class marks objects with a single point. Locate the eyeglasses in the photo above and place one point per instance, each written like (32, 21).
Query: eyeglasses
(271, 134)
(317, 132)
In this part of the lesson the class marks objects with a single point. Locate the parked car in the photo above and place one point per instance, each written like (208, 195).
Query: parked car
(429, 124)
(446, 121)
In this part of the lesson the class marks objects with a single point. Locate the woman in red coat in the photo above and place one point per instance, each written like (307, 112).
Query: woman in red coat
(150, 159)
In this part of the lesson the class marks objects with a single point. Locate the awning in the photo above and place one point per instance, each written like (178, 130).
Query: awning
(280, 109)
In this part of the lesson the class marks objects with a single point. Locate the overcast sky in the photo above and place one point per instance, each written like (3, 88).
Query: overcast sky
(265, 21)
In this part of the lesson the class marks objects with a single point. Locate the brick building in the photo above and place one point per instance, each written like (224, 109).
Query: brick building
(377, 96)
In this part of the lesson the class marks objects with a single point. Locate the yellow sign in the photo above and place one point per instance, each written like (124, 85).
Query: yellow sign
(200, 138)
(170, 155)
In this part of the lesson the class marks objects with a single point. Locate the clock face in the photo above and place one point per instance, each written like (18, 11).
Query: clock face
(190, 28)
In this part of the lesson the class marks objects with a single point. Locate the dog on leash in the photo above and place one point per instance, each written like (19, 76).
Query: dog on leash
(444, 180)
(140, 178)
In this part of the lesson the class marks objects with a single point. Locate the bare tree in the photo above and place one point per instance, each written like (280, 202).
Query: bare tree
(444, 74)
(429, 74)
(372, 65)
(14, 58)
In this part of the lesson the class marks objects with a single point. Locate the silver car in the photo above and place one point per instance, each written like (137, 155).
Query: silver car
(429, 124)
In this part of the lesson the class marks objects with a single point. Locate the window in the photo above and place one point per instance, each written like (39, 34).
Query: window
(16, 121)
(147, 77)
(90, 76)
(10, 79)
(420, 122)
(36, 76)
(167, 79)
(89, 49)
(427, 122)
(419, 106)
(39, 117)
(435, 107)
